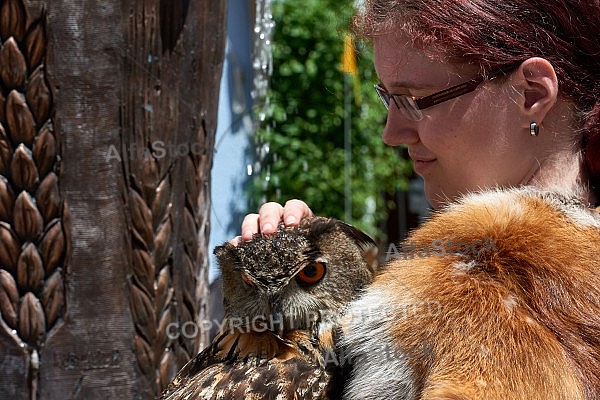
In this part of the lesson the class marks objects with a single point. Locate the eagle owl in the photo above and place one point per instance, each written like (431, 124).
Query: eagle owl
(498, 298)
(283, 295)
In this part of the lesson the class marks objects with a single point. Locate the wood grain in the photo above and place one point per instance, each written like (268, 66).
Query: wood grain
(98, 255)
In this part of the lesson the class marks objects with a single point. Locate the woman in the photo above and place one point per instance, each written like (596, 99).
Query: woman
(488, 94)
(550, 52)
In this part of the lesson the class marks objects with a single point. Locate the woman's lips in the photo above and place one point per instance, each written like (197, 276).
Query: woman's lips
(421, 167)
(421, 164)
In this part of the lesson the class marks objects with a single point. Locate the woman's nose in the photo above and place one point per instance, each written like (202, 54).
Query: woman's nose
(399, 130)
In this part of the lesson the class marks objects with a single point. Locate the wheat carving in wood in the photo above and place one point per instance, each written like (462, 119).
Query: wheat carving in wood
(33, 231)
(164, 291)
(165, 200)
(156, 300)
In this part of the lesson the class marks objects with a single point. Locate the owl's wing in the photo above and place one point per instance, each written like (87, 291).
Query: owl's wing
(253, 365)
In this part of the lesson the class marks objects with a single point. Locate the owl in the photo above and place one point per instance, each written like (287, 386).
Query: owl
(283, 296)
(496, 297)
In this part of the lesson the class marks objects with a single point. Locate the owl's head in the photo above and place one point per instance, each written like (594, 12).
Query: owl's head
(297, 277)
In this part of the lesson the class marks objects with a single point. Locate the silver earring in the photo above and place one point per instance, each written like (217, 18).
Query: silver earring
(534, 129)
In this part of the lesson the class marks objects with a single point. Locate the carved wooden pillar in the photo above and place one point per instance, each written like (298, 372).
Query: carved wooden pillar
(108, 114)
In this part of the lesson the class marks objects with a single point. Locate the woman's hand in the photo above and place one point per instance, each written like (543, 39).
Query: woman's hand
(270, 214)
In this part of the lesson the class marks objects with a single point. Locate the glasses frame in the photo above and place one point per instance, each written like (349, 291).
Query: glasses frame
(421, 103)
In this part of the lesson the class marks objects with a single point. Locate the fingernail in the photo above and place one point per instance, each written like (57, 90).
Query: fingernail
(268, 228)
(290, 220)
(246, 235)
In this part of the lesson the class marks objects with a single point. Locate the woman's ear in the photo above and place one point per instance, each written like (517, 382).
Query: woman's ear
(538, 88)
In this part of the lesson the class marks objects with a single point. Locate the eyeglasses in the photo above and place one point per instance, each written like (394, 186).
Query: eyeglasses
(411, 106)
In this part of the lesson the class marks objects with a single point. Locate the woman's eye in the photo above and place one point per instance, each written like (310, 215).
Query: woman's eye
(312, 273)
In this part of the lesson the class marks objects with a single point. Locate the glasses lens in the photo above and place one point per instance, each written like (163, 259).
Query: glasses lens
(404, 103)
(409, 108)
(384, 96)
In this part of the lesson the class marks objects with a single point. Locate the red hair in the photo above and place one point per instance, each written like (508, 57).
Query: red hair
(494, 33)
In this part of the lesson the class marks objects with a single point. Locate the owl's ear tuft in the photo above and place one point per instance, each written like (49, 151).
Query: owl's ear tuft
(227, 255)
(364, 242)
(318, 226)
(223, 250)
(361, 239)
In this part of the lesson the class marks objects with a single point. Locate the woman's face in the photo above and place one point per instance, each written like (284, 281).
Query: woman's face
(467, 143)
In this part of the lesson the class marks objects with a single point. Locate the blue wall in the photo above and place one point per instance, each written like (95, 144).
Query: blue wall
(233, 145)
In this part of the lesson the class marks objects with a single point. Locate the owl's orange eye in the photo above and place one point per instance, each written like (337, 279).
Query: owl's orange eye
(312, 273)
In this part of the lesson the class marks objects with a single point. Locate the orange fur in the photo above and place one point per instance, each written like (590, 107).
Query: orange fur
(522, 322)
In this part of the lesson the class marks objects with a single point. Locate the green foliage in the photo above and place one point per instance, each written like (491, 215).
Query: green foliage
(305, 130)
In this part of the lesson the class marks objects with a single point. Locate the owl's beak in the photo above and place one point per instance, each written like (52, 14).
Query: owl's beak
(276, 316)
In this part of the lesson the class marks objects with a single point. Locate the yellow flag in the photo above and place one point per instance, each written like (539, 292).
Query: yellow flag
(349, 65)
(349, 57)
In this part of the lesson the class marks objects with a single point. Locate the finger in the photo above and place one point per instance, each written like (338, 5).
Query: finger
(294, 211)
(270, 215)
(249, 226)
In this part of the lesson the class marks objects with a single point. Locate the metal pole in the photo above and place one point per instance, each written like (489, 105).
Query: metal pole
(347, 148)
